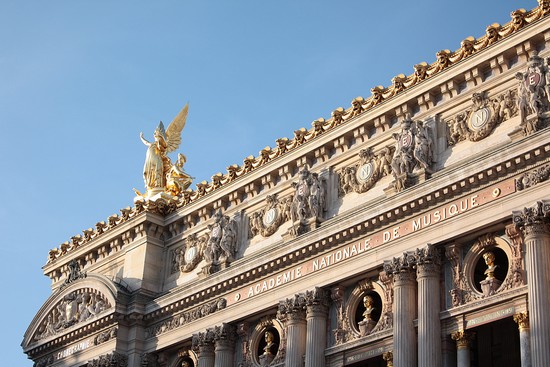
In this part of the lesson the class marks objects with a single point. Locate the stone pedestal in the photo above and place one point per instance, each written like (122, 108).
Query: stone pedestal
(490, 286)
(535, 224)
(366, 326)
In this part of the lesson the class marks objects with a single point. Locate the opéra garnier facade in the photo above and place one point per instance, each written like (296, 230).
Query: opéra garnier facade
(409, 229)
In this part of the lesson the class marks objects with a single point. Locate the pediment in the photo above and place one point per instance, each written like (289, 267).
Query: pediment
(71, 308)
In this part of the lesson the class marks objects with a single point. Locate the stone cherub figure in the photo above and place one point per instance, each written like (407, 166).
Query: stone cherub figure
(158, 168)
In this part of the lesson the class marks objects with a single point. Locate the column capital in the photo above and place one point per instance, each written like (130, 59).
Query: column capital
(463, 338)
(317, 302)
(292, 309)
(203, 342)
(534, 220)
(522, 319)
(388, 357)
(427, 261)
(401, 268)
(225, 333)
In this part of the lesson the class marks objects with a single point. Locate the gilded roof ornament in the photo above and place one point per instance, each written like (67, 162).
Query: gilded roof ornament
(161, 177)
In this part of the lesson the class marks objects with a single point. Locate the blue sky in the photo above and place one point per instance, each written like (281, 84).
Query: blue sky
(79, 80)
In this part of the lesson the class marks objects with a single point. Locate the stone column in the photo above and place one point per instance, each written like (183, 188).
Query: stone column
(535, 224)
(404, 310)
(292, 313)
(316, 318)
(203, 345)
(522, 319)
(463, 341)
(224, 340)
(429, 326)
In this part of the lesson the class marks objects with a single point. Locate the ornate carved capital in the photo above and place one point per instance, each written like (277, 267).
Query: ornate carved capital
(522, 319)
(388, 357)
(317, 301)
(463, 338)
(292, 309)
(428, 261)
(533, 221)
(225, 332)
(203, 342)
(401, 268)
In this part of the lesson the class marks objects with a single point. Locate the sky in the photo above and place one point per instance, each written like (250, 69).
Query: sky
(79, 81)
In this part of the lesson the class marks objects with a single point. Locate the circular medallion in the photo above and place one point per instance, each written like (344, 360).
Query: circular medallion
(190, 254)
(479, 118)
(270, 216)
(533, 80)
(364, 172)
(406, 139)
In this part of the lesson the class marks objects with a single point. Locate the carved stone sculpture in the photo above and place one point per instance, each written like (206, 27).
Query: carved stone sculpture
(364, 174)
(480, 119)
(308, 203)
(266, 221)
(413, 152)
(187, 257)
(534, 94)
(221, 248)
(76, 307)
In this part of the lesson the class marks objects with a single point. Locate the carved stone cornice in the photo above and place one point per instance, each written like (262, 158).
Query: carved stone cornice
(534, 220)
(186, 317)
(522, 319)
(463, 338)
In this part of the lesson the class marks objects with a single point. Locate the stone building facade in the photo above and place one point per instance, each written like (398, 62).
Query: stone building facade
(410, 229)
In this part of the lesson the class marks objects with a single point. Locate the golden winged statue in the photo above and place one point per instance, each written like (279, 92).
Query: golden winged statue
(159, 174)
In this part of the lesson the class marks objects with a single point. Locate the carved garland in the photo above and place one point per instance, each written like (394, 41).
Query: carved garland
(186, 317)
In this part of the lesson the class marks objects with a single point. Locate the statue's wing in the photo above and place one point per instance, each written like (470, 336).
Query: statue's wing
(173, 132)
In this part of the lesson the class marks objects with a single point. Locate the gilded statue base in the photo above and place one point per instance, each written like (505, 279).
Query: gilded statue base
(490, 286)
(154, 195)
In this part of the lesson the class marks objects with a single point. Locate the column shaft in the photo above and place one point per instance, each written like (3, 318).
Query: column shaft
(463, 340)
(206, 356)
(224, 353)
(404, 334)
(316, 335)
(296, 341)
(429, 326)
(535, 224)
(522, 319)
(537, 248)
